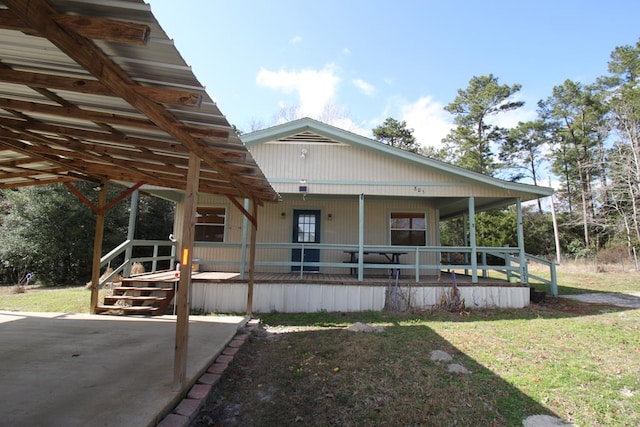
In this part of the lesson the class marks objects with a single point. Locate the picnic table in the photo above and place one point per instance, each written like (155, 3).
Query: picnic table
(392, 257)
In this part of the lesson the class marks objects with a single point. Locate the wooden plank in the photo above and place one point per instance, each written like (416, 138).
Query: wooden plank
(252, 257)
(188, 231)
(97, 249)
(95, 87)
(39, 14)
(133, 298)
(99, 28)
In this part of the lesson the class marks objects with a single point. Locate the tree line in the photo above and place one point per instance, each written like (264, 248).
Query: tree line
(586, 136)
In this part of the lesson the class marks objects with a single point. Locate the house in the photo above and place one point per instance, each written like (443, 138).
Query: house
(356, 217)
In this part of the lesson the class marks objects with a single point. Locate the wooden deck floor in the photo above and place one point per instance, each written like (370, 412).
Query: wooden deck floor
(444, 279)
(230, 277)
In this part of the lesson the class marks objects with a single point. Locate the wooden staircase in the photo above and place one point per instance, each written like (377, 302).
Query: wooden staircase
(136, 296)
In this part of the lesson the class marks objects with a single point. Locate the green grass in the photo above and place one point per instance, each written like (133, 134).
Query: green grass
(577, 361)
(63, 300)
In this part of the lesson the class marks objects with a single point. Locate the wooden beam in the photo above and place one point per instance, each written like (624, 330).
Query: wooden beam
(241, 208)
(39, 14)
(97, 28)
(186, 255)
(92, 135)
(83, 198)
(95, 87)
(122, 195)
(91, 27)
(97, 248)
(82, 114)
(252, 258)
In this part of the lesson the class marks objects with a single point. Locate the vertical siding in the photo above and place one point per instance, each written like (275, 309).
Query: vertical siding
(275, 225)
(335, 168)
(310, 298)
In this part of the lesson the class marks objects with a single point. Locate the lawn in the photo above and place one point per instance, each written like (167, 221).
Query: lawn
(67, 299)
(576, 361)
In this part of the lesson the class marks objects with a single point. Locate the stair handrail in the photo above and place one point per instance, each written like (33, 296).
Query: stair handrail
(122, 247)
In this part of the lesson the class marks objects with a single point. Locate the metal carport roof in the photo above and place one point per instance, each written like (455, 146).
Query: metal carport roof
(95, 90)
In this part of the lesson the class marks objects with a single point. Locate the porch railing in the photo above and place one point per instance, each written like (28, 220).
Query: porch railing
(489, 261)
(126, 248)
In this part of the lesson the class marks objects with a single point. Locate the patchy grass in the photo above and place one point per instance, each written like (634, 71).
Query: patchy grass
(75, 299)
(576, 361)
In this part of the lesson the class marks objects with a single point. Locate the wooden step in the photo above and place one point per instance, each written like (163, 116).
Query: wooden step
(142, 309)
(132, 298)
(145, 289)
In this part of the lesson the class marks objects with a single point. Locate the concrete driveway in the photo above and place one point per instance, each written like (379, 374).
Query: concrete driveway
(87, 370)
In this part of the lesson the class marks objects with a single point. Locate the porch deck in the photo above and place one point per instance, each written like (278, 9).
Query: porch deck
(444, 279)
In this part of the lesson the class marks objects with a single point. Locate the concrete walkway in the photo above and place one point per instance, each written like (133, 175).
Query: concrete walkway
(78, 370)
(621, 299)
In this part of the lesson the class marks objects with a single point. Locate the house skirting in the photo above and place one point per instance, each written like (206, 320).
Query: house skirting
(314, 297)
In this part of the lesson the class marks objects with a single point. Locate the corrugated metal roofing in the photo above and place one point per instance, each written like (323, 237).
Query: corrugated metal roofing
(59, 123)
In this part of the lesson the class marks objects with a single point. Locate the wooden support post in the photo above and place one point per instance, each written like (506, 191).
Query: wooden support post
(131, 229)
(243, 251)
(185, 256)
(252, 257)
(97, 248)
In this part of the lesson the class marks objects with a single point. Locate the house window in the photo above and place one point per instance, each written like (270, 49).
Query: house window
(408, 228)
(210, 224)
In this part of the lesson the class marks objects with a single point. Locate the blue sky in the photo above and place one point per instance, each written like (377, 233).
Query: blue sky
(360, 61)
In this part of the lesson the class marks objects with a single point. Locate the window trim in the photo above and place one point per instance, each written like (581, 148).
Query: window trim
(224, 224)
(417, 214)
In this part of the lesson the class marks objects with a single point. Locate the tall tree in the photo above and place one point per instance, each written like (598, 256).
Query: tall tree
(578, 115)
(522, 150)
(623, 89)
(49, 232)
(396, 134)
(470, 142)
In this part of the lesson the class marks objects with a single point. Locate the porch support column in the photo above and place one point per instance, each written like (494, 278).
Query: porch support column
(188, 230)
(97, 247)
(252, 257)
(472, 240)
(522, 260)
(465, 239)
(131, 230)
(243, 251)
(361, 238)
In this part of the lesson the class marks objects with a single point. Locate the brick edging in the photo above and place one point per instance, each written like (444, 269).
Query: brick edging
(189, 407)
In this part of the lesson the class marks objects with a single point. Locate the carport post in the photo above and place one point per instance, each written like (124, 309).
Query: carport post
(252, 257)
(131, 229)
(188, 230)
(97, 248)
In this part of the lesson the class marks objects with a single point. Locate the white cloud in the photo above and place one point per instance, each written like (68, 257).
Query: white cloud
(429, 121)
(511, 118)
(366, 88)
(315, 88)
(349, 125)
(346, 51)
(295, 40)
